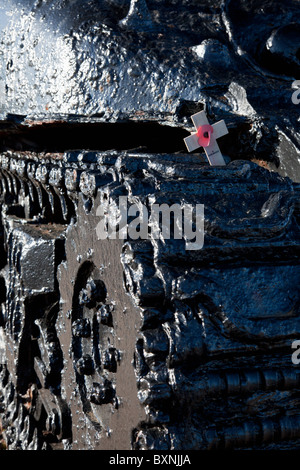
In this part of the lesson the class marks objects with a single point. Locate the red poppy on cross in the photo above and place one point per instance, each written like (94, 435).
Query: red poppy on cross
(206, 137)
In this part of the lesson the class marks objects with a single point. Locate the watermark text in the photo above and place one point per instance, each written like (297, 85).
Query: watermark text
(157, 221)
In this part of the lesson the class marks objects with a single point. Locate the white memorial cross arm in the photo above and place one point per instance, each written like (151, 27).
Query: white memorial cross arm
(206, 137)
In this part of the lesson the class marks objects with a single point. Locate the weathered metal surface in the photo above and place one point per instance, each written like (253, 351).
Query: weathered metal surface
(143, 344)
(118, 62)
(128, 334)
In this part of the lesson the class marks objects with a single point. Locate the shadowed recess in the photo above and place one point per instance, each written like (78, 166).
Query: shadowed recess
(59, 137)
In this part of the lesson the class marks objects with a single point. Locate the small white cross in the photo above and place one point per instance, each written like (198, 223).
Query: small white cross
(217, 130)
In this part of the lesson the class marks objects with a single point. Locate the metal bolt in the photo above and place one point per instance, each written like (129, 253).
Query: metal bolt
(81, 328)
(102, 393)
(110, 359)
(93, 293)
(85, 365)
(104, 315)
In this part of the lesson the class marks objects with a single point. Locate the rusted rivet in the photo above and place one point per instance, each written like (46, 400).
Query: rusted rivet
(81, 328)
(102, 393)
(85, 365)
(93, 293)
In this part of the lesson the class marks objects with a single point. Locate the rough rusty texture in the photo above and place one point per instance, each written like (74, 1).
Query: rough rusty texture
(141, 344)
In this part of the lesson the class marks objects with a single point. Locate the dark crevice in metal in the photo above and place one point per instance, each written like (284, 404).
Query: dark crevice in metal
(59, 137)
